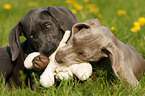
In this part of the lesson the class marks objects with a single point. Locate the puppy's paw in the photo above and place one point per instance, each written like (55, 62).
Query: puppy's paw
(40, 62)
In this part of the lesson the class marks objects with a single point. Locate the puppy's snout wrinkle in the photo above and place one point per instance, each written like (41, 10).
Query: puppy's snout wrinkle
(58, 58)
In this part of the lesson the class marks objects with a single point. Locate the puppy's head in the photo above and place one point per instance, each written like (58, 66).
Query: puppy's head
(43, 28)
(87, 43)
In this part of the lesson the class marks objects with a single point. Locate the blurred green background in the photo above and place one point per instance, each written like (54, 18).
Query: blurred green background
(118, 15)
(125, 18)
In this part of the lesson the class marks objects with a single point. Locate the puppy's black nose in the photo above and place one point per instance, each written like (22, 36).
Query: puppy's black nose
(47, 51)
(58, 58)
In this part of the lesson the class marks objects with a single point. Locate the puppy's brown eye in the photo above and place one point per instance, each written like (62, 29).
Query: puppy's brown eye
(81, 54)
(48, 25)
(32, 36)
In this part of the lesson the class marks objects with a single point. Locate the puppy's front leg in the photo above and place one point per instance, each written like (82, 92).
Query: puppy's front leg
(129, 77)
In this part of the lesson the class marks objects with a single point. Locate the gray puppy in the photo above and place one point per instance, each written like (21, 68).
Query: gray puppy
(91, 42)
(43, 29)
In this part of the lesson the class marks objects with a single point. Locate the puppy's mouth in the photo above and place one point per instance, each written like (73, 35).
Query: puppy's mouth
(80, 27)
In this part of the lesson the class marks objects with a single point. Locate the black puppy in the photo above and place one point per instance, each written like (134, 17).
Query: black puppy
(43, 29)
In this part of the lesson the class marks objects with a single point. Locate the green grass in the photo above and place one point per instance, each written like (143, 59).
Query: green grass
(108, 9)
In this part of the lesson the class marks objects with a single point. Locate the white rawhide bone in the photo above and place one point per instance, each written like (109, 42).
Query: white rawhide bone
(82, 70)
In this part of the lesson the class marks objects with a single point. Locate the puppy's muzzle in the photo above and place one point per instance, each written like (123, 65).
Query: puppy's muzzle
(48, 50)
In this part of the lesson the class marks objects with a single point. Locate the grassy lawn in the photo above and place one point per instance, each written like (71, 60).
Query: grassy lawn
(123, 17)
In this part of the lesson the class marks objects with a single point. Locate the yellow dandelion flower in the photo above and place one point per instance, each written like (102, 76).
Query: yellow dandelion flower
(121, 12)
(32, 4)
(141, 21)
(94, 10)
(100, 16)
(7, 6)
(113, 28)
(70, 1)
(80, 7)
(91, 6)
(85, 0)
(77, 6)
(136, 27)
(74, 11)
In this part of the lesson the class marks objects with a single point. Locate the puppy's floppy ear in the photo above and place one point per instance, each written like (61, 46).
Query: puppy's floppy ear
(115, 57)
(65, 17)
(87, 24)
(14, 40)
